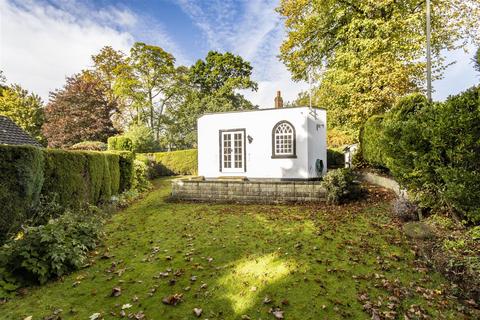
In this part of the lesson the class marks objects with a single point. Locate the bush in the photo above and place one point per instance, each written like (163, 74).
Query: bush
(140, 177)
(52, 250)
(120, 143)
(81, 177)
(71, 177)
(340, 185)
(126, 169)
(335, 158)
(21, 180)
(432, 150)
(183, 162)
(371, 142)
(142, 139)
(90, 146)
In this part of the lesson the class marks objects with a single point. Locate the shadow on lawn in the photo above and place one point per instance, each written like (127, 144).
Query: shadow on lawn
(310, 261)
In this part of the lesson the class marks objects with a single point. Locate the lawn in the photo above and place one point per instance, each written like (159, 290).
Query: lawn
(247, 262)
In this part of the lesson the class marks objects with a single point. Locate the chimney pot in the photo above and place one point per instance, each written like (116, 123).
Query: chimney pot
(278, 101)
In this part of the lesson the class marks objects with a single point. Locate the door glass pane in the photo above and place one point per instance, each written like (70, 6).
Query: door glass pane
(227, 152)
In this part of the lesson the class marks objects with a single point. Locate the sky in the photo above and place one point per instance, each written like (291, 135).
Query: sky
(42, 42)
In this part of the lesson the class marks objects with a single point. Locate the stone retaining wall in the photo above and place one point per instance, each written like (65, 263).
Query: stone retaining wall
(248, 191)
(384, 182)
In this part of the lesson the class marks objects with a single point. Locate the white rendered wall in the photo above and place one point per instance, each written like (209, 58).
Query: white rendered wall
(259, 125)
(317, 141)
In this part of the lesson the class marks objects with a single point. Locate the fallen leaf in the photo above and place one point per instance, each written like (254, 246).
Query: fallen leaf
(173, 300)
(116, 292)
(197, 312)
(277, 313)
(95, 316)
(126, 306)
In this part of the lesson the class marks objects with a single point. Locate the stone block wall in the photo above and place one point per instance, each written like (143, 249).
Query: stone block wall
(248, 191)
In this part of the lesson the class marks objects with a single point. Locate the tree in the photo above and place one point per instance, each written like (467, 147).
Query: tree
(105, 66)
(80, 111)
(208, 86)
(144, 80)
(372, 52)
(24, 108)
(3, 79)
(476, 60)
(219, 71)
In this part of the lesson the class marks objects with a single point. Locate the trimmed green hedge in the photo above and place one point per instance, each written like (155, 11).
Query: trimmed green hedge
(371, 142)
(432, 149)
(126, 169)
(120, 143)
(75, 177)
(21, 180)
(335, 158)
(90, 146)
(183, 162)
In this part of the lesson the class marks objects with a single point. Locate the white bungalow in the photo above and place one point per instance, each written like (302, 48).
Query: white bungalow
(276, 144)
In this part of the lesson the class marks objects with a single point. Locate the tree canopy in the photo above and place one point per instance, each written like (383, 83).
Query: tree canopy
(369, 52)
(144, 80)
(24, 108)
(80, 111)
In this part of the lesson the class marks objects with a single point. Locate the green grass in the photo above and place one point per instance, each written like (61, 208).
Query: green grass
(312, 262)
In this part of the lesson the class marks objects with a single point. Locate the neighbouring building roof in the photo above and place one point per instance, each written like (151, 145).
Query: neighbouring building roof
(12, 134)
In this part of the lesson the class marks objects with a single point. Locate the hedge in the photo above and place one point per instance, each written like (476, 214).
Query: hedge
(183, 162)
(21, 180)
(126, 169)
(74, 177)
(432, 149)
(335, 158)
(371, 142)
(120, 143)
(90, 146)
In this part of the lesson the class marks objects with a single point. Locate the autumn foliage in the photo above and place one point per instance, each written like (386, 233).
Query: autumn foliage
(78, 112)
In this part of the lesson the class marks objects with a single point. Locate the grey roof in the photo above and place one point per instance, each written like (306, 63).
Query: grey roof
(12, 134)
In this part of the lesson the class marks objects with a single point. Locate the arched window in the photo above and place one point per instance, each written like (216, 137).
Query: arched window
(283, 140)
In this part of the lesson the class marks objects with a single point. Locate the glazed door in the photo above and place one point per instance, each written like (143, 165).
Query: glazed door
(232, 146)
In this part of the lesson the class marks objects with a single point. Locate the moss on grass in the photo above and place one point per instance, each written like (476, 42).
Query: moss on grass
(313, 262)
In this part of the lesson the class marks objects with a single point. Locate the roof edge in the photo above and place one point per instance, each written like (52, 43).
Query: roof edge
(257, 110)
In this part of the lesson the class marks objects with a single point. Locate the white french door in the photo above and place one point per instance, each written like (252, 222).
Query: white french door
(233, 151)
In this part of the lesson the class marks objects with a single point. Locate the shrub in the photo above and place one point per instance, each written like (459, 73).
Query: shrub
(72, 177)
(120, 143)
(335, 158)
(90, 146)
(52, 250)
(21, 180)
(433, 150)
(140, 177)
(126, 169)
(340, 185)
(371, 142)
(183, 162)
(405, 210)
(142, 139)
(81, 177)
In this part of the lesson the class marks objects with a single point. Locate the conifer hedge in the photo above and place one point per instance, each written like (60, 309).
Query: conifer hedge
(432, 149)
(73, 177)
(182, 162)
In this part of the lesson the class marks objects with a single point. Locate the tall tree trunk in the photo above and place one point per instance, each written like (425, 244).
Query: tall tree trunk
(150, 101)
